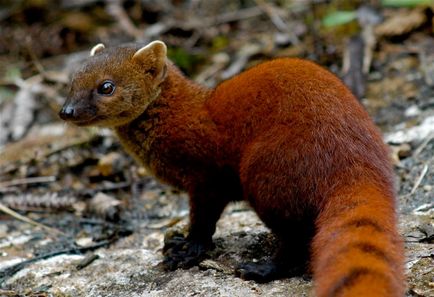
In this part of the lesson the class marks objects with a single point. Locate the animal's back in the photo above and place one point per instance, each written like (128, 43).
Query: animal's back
(305, 108)
(284, 90)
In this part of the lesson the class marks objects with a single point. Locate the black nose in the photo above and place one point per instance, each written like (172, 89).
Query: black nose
(67, 112)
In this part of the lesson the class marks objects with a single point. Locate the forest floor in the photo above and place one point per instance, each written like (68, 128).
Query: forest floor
(78, 217)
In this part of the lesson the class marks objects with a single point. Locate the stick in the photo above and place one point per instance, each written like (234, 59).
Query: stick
(116, 10)
(9, 271)
(419, 180)
(233, 16)
(16, 215)
(29, 180)
(423, 145)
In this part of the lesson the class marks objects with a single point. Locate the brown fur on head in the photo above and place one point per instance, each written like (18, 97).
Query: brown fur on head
(115, 85)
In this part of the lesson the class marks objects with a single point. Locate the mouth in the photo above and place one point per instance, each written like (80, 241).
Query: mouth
(81, 122)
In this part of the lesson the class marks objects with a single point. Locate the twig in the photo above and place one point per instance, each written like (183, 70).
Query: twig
(89, 138)
(195, 23)
(9, 190)
(33, 57)
(370, 41)
(16, 215)
(29, 180)
(243, 57)
(86, 261)
(9, 271)
(105, 188)
(352, 68)
(210, 264)
(116, 10)
(419, 180)
(274, 17)
(236, 15)
(193, 39)
(420, 148)
(279, 20)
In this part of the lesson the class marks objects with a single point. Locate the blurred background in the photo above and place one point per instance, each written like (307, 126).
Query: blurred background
(80, 184)
(210, 40)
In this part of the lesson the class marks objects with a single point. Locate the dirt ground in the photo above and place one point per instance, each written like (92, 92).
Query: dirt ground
(78, 217)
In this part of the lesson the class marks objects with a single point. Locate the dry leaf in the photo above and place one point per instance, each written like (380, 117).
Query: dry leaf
(43, 142)
(105, 206)
(399, 152)
(110, 163)
(416, 133)
(25, 105)
(401, 22)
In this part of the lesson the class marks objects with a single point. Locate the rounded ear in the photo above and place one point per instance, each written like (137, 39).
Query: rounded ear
(156, 48)
(96, 49)
(152, 58)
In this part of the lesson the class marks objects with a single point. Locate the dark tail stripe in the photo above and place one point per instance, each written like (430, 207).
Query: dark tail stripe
(351, 278)
(365, 247)
(371, 249)
(362, 222)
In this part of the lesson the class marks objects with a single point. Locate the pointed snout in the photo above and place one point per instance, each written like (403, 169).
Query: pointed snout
(67, 112)
(78, 109)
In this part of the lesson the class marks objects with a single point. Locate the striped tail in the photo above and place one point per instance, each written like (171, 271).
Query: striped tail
(357, 250)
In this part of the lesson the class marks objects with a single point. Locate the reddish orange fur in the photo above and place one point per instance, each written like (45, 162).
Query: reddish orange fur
(288, 137)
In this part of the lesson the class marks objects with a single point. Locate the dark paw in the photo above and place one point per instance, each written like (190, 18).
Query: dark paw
(260, 272)
(181, 252)
(266, 271)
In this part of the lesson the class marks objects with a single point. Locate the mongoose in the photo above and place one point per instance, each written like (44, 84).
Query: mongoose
(286, 135)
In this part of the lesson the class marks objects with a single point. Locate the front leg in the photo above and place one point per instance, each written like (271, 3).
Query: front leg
(206, 206)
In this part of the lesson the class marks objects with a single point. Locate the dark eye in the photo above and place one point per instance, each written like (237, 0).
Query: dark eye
(106, 88)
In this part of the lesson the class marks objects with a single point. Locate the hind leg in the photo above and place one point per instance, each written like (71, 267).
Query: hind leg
(274, 188)
(290, 258)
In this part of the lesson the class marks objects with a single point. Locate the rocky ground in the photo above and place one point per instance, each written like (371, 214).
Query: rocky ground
(79, 218)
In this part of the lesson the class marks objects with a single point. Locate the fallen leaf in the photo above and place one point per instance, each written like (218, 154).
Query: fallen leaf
(401, 22)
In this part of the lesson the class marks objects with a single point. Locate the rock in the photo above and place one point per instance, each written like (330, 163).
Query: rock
(123, 271)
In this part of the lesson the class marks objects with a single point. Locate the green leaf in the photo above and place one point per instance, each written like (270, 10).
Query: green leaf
(12, 73)
(219, 42)
(406, 3)
(339, 17)
(183, 59)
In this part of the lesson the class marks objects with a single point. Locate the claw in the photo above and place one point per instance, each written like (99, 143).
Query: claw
(266, 271)
(181, 252)
(261, 272)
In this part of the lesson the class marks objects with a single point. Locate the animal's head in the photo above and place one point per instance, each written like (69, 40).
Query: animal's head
(115, 85)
